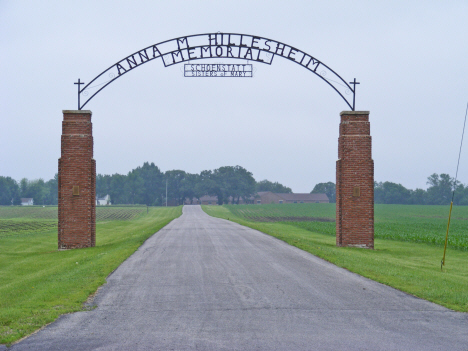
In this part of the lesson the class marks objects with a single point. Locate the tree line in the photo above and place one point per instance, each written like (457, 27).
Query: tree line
(147, 185)
(439, 192)
(43, 193)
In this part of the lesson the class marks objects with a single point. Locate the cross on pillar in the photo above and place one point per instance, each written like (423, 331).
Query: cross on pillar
(353, 83)
(79, 88)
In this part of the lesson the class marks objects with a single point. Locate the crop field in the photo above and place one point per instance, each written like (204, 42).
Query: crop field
(412, 223)
(27, 220)
(51, 212)
(10, 227)
(28, 212)
(118, 213)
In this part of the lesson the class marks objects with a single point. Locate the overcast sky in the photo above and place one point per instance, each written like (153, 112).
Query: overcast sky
(411, 58)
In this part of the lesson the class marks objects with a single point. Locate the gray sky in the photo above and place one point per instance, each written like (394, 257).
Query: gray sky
(411, 58)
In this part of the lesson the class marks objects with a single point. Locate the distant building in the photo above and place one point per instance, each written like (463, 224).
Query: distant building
(211, 200)
(267, 197)
(27, 201)
(103, 201)
(207, 200)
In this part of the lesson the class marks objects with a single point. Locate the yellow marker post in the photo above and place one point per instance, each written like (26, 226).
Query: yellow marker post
(446, 236)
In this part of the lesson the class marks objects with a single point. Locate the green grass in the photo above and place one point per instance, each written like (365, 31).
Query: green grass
(51, 212)
(412, 223)
(28, 212)
(38, 283)
(410, 266)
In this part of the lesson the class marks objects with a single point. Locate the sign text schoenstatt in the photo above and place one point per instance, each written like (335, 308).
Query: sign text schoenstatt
(218, 70)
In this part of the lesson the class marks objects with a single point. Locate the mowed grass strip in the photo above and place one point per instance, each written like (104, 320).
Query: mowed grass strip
(413, 223)
(407, 266)
(38, 283)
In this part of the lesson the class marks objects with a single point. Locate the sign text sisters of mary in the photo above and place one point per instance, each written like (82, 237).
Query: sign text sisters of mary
(218, 70)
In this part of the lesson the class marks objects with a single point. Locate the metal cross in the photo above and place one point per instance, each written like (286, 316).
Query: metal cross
(354, 83)
(79, 88)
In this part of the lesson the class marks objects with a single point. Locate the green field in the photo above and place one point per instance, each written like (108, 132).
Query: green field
(412, 223)
(28, 220)
(408, 245)
(38, 283)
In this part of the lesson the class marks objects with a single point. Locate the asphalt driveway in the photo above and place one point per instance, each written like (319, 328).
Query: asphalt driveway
(203, 283)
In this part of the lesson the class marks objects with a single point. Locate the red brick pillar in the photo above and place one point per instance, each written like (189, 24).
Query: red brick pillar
(355, 182)
(76, 183)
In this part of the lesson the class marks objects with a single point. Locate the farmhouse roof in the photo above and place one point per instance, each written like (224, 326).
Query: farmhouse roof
(303, 197)
(26, 199)
(208, 198)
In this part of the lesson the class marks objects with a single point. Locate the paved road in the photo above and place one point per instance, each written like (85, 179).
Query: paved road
(203, 283)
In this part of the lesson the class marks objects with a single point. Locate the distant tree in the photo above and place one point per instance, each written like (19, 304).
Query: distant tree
(103, 185)
(35, 189)
(188, 186)
(440, 189)
(133, 187)
(207, 185)
(328, 188)
(23, 187)
(116, 189)
(266, 185)
(461, 195)
(153, 187)
(51, 197)
(9, 192)
(418, 197)
(391, 193)
(175, 182)
(234, 182)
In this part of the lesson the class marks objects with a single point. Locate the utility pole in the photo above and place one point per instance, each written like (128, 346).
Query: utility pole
(166, 192)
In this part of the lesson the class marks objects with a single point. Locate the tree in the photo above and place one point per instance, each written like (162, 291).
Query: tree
(35, 189)
(9, 192)
(418, 197)
(153, 187)
(103, 185)
(188, 186)
(133, 187)
(440, 189)
(391, 193)
(328, 188)
(175, 185)
(266, 185)
(234, 183)
(461, 195)
(116, 189)
(51, 197)
(207, 185)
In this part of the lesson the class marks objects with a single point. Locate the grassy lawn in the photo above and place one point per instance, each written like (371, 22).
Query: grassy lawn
(407, 257)
(38, 283)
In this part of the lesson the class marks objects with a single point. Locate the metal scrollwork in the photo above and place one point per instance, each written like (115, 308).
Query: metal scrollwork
(217, 46)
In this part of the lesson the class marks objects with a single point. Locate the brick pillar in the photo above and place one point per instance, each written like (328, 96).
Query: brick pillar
(355, 182)
(76, 183)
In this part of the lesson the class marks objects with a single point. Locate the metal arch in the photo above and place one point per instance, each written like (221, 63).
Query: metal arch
(130, 62)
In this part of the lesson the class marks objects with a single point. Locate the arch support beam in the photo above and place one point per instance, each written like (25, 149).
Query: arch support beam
(355, 182)
(76, 182)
